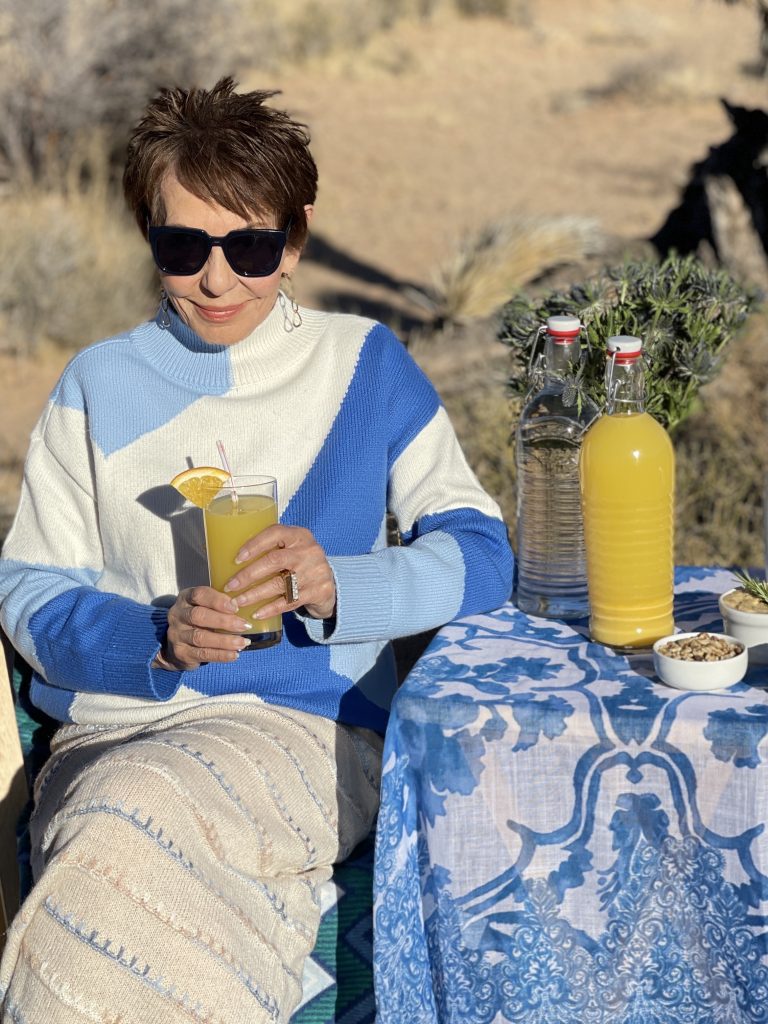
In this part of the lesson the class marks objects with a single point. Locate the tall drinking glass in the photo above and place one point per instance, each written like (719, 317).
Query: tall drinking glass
(233, 517)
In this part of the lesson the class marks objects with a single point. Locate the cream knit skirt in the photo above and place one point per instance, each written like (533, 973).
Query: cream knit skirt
(177, 866)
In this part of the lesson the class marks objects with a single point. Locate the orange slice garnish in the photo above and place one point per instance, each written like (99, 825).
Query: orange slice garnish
(201, 484)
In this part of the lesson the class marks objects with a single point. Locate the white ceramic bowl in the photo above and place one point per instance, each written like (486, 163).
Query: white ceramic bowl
(751, 628)
(699, 675)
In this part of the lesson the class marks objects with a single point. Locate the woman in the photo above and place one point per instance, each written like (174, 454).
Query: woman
(196, 796)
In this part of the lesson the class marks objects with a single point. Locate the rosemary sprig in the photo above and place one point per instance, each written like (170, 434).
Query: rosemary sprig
(755, 588)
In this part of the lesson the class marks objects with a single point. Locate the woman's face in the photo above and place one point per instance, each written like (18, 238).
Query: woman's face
(219, 306)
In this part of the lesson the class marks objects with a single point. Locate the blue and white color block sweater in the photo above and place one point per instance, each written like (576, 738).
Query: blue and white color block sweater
(341, 415)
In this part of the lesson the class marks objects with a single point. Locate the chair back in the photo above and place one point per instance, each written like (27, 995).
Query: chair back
(13, 791)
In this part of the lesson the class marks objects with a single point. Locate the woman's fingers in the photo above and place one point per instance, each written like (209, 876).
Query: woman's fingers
(269, 589)
(202, 623)
(203, 627)
(271, 541)
(220, 614)
(315, 586)
(276, 550)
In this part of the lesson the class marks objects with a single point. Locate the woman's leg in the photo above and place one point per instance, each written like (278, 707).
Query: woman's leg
(177, 865)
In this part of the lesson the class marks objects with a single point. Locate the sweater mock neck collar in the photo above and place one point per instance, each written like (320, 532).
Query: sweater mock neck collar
(269, 351)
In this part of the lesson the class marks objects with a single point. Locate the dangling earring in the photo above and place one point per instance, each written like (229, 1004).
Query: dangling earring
(293, 319)
(165, 317)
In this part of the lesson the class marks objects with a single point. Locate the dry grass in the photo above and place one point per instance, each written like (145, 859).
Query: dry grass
(469, 368)
(26, 382)
(485, 421)
(657, 78)
(722, 460)
(308, 29)
(67, 66)
(11, 464)
(646, 81)
(502, 257)
(518, 11)
(75, 267)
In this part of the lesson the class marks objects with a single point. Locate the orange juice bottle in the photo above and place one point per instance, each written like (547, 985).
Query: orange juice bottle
(627, 478)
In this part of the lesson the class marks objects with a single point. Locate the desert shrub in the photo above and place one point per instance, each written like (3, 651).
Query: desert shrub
(720, 448)
(719, 498)
(70, 66)
(502, 257)
(483, 419)
(517, 10)
(761, 9)
(316, 28)
(75, 267)
(468, 367)
(319, 27)
(720, 444)
(686, 314)
(722, 460)
(692, 318)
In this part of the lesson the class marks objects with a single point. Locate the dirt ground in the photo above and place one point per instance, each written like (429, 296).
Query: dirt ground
(596, 108)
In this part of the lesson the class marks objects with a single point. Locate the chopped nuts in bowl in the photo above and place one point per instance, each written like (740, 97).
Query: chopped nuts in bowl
(700, 661)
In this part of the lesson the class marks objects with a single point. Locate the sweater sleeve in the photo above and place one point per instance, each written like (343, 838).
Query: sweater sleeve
(455, 558)
(74, 635)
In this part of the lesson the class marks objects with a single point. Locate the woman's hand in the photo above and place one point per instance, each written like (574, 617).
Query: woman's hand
(284, 549)
(192, 639)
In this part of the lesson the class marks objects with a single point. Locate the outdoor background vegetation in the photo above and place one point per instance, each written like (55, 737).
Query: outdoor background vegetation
(477, 157)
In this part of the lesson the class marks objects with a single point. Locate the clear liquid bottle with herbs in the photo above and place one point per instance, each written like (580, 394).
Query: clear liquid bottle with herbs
(627, 483)
(551, 563)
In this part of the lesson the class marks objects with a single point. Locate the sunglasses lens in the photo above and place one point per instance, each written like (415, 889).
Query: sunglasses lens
(253, 254)
(181, 252)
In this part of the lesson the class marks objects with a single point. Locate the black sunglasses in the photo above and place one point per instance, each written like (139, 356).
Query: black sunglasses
(251, 252)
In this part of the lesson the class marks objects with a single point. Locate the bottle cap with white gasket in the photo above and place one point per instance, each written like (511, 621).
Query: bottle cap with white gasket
(625, 347)
(563, 329)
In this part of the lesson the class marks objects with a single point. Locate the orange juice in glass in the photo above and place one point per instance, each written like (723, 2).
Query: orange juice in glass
(234, 516)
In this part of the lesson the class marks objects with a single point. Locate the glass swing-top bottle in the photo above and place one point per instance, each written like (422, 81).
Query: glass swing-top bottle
(628, 489)
(551, 561)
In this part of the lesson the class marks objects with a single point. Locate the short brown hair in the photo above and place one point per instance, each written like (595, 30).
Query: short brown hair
(224, 147)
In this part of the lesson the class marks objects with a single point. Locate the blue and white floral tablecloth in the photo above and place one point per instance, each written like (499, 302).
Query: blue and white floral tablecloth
(565, 840)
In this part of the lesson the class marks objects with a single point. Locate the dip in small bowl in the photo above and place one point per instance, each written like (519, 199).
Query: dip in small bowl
(746, 618)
